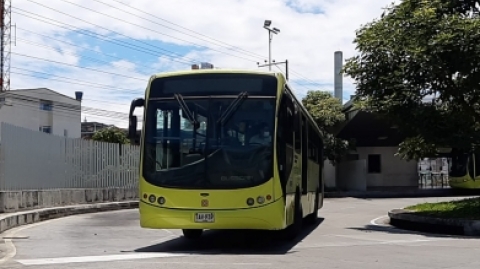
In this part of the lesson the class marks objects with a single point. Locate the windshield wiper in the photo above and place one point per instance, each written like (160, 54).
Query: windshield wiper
(232, 107)
(185, 108)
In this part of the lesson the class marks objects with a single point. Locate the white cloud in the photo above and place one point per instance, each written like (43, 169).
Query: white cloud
(310, 33)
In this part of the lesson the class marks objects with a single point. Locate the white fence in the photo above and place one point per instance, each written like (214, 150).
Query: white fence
(34, 160)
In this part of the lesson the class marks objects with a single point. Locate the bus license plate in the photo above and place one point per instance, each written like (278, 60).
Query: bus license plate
(204, 217)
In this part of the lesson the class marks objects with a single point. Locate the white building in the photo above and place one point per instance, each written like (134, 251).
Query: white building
(42, 110)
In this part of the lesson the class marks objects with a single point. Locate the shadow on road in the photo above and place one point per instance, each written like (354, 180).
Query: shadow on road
(249, 242)
(423, 231)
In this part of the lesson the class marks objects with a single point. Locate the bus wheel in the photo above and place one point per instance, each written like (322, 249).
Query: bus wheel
(296, 227)
(192, 233)
(313, 218)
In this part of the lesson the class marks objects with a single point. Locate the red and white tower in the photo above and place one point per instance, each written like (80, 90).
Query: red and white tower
(5, 43)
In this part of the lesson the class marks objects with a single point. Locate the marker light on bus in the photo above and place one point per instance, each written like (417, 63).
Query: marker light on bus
(161, 200)
(269, 197)
(250, 201)
(152, 198)
(260, 199)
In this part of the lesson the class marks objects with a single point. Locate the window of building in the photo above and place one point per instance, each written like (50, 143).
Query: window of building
(46, 129)
(374, 164)
(46, 106)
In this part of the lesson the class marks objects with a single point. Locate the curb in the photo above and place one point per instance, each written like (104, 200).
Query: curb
(12, 220)
(410, 220)
(402, 194)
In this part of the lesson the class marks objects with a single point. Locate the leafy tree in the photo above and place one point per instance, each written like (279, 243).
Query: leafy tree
(327, 112)
(419, 67)
(112, 135)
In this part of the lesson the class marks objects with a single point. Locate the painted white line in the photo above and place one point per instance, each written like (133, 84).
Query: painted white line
(105, 258)
(11, 249)
(375, 221)
(358, 237)
(390, 242)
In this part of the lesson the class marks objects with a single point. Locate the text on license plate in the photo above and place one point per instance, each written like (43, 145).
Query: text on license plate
(204, 217)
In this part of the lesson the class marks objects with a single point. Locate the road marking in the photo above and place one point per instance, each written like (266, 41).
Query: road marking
(11, 249)
(371, 243)
(359, 237)
(374, 221)
(105, 258)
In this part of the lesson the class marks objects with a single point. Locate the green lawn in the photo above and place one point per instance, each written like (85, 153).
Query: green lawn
(459, 209)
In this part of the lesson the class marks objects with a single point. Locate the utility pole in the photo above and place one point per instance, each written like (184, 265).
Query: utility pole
(274, 63)
(5, 43)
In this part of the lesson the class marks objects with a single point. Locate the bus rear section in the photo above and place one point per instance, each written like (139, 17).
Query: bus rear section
(207, 153)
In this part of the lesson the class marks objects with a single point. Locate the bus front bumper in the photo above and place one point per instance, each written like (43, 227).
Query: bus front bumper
(268, 217)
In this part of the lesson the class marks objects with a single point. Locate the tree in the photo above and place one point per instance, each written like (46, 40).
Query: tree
(112, 135)
(327, 112)
(419, 67)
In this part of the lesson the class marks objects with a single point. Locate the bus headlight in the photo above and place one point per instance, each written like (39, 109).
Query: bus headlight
(250, 201)
(161, 200)
(152, 198)
(260, 199)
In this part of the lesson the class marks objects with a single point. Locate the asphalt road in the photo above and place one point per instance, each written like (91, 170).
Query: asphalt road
(351, 234)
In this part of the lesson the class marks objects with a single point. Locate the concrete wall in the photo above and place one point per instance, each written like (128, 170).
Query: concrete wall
(329, 174)
(352, 175)
(394, 171)
(13, 201)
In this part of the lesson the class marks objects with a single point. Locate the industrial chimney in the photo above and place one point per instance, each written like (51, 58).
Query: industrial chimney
(338, 78)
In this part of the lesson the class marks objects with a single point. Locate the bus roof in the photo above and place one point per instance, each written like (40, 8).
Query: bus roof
(214, 71)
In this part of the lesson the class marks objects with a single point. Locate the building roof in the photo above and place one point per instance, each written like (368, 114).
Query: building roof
(44, 94)
(367, 129)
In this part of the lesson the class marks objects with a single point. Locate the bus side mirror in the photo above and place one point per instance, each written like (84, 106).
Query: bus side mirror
(132, 120)
(132, 127)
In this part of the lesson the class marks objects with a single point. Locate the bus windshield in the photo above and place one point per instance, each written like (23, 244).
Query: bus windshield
(209, 142)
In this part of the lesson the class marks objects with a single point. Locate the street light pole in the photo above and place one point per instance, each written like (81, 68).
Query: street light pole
(266, 25)
(270, 36)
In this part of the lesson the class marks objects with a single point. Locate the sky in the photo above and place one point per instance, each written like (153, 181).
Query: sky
(108, 49)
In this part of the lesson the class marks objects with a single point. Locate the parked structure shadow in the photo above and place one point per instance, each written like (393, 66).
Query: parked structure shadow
(233, 242)
(417, 229)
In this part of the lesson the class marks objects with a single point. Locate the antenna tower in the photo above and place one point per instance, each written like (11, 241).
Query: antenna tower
(5, 43)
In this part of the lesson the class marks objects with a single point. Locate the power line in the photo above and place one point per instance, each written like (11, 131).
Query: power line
(229, 46)
(71, 110)
(63, 51)
(99, 26)
(77, 66)
(100, 36)
(74, 45)
(95, 35)
(68, 81)
(110, 30)
(138, 25)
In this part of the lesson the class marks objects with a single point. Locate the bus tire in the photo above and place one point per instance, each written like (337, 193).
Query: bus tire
(295, 228)
(192, 233)
(313, 218)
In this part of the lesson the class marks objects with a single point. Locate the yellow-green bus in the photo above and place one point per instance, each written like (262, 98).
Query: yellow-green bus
(464, 172)
(227, 149)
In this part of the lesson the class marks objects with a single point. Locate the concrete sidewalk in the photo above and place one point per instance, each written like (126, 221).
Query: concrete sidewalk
(403, 194)
(12, 220)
